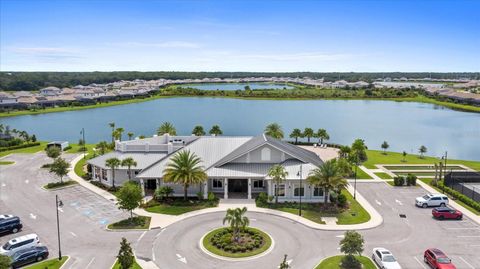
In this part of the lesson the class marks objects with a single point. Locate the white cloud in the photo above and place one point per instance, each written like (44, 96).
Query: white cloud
(167, 44)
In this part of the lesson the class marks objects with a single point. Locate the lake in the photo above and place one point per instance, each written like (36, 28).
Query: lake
(237, 86)
(405, 125)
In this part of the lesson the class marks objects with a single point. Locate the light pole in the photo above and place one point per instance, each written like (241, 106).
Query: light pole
(84, 143)
(355, 183)
(444, 158)
(301, 190)
(58, 203)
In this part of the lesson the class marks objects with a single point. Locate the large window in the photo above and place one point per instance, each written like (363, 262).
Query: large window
(317, 192)
(217, 183)
(265, 154)
(280, 190)
(258, 184)
(297, 191)
(97, 172)
(104, 174)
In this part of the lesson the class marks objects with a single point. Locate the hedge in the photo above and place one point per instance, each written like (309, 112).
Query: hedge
(457, 195)
(20, 146)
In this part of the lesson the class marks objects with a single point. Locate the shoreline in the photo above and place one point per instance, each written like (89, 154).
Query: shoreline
(418, 99)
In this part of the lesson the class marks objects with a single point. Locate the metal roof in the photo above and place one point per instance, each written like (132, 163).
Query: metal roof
(143, 159)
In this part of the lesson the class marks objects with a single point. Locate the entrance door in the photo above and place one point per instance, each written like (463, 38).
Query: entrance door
(237, 185)
(150, 186)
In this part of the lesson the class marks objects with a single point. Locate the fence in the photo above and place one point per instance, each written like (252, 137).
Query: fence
(467, 183)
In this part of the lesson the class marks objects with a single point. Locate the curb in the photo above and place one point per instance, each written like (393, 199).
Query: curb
(66, 261)
(61, 188)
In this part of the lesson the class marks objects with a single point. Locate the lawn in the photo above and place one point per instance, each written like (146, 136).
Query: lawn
(178, 206)
(49, 264)
(426, 167)
(334, 262)
(134, 266)
(140, 222)
(361, 174)
(80, 164)
(6, 162)
(33, 149)
(383, 175)
(429, 174)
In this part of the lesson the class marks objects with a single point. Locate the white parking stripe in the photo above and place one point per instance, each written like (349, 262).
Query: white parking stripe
(468, 236)
(153, 254)
(90, 263)
(419, 262)
(469, 265)
(72, 233)
(141, 236)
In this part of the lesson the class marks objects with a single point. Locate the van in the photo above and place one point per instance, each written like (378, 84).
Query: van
(19, 243)
(10, 225)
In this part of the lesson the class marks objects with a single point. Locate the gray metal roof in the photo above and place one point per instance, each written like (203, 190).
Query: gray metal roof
(143, 159)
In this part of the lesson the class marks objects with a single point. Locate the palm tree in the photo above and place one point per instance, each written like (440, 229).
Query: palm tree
(1, 128)
(166, 128)
(422, 150)
(385, 146)
(308, 133)
(129, 162)
(198, 130)
(344, 151)
(274, 130)
(278, 175)
(216, 131)
(112, 163)
(130, 135)
(119, 132)
(102, 146)
(327, 177)
(184, 168)
(296, 133)
(237, 220)
(322, 135)
(112, 125)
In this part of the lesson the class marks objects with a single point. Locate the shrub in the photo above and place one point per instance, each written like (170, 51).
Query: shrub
(333, 197)
(53, 185)
(163, 192)
(399, 181)
(26, 145)
(411, 180)
(463, 198)
(211, 196)
(350, 262)
(341, 200)
(261, 199)
(270, 198)
(67, 148)
(200, 195)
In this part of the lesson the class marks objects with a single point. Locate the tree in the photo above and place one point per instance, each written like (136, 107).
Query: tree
(404, 154)
(344, 167)
(344, 151)
(129, 197)
(34, 138)
(184, 168)
(278, 174)
(113, 163)
(274, 130)
(119, 132)
(422, 150)
(125, 255)
(284, 264)
(296, 133)
(5, 261)
(385, 146)
(166, 128)
(237, 220)
(322, 135)
(358, 152)
(60, 168)
(328, 177)
(129, 162)
(351, 244)
(308, 133)
(102, 146)
(198, 130)
(130, 135)
(112, 125)
(53, 152)
(215, 130)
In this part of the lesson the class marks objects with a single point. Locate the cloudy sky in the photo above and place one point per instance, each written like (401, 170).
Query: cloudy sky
(88, 35)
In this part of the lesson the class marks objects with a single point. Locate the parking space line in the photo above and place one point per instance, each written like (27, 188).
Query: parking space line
(468, 264)
(141, 236)
(90, 263)
(468, 236)
(153, 254)
(72, 233)
(419, 262)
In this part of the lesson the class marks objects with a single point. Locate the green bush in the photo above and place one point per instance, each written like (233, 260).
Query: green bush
(163, 192)
(350, 262)
(457, 195)
(53, 185)
(26, 145)
(411, 180)
(211, 196)
(261, 199)
(341, 200)
(399, 181)
(67, 148)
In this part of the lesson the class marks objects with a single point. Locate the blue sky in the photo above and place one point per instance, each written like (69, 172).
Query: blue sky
(326, 36)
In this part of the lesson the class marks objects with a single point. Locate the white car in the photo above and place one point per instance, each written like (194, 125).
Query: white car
(427, 200)
(2, 217)
(385, 259)
(19, 243)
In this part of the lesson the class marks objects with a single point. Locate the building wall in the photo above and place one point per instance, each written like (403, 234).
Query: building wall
(255, 156)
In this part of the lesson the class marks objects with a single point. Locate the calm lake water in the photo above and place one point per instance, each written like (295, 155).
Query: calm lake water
(404, 125)
(237, 86)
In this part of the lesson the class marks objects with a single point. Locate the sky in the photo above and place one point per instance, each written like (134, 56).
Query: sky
(273, 36)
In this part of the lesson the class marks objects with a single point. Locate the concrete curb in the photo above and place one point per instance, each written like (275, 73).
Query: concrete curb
(60, 188)
(66, 261)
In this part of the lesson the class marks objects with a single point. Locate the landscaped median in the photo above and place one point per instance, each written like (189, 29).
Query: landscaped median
(134, 223)
(49, 264)
(134, 266)
(58, 185)
(334, 262)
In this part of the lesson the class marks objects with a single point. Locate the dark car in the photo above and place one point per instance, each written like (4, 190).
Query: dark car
(442, 213)
(10, 225)
(29, 255)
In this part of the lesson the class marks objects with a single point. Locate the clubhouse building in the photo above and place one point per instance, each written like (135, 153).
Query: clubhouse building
(236, 166)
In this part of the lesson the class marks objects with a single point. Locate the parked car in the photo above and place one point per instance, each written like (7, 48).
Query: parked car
(10, 225)
(2, 217)
(432, 200)
(29, 255)
(385, 259)
(437, 259)
(19, 243)
(442, 213)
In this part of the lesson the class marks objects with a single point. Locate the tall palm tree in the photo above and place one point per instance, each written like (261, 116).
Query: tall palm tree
(322, 135)
(278, 175)
(129, 162)
(113, 163)
(344, 151)
(119, 133)
(102, 146)
(328, 177)
(237, 220)
(296, 133)
(1, 128)
(308, 133)
(112, 125)
(274, 130)
(166, 128)
(215, 130)
(184, 168)
(198, 130)
(130, 135)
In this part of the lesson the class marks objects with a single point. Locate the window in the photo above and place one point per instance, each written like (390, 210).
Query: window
(265, 154)
(317, 192)
(217, 183)
(258, 184)
(297, 191)
(104, 174)
(97, 172)
(280, 190)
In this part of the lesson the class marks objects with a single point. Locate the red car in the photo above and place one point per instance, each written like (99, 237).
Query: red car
(437, 259)
(442, 213)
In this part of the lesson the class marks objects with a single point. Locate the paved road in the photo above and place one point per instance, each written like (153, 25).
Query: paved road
(82, 218)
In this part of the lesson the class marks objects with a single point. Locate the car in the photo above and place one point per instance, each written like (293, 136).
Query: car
(385, 259)
(2, 217)
(436, 259)
(442, 213)
(10, 225)
(19, 243)
(432, 200)
(29, 255)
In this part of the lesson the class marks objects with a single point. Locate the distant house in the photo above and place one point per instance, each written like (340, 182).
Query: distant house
(50, 91)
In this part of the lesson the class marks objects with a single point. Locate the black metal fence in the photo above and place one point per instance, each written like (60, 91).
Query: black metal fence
(467, 183)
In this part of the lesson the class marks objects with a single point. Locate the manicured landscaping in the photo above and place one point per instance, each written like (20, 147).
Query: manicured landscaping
(49, 264)
(134, 266)
(33, 149)
(334, 262)
(80, 165)
(251, 242)
(178, 206)
(6, 162)
(55, 185)
(423, 167)
(139, 222)
(362, 175)
(383, 175)
(418, 174)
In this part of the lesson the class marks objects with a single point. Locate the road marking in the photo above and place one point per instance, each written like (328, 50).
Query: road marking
(398, 202)
(253, 219)
(181, 259)
(4, 185)
(90, 263)
(153, 254)
(421, 264)
(72, 233)
(161, 231)
(469, 265)
(26, 181)
(141, 236)
(463, 228)
(60, 209)
(378, 202)
(468, 236)
(71, 266)
(32, 216)
(340, 236)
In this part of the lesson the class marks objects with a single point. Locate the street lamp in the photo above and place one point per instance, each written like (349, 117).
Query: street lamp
(299, 174)
(58, 204)
(444, 158)
(355, 183)
(84, 143)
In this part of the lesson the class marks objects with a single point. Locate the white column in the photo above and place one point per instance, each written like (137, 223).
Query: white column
(225, 188)
(249, 188)
(158, 183)
(205, 189)
(142, 184)
(270, 186)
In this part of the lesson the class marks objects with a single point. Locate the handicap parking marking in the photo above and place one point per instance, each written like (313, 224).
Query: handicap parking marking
(103, 221)
(87, 212)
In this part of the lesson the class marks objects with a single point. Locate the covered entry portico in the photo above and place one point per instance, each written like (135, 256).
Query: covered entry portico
(245, 188)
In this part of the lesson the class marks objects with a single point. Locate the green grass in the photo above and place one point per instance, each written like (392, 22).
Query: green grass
(49, 264)
(308, 213)
(6, 162)
(55, 185)
(430, 174)
(175, 209)
(383, 175)
(80, 164)
(426, 167)
(134, 266)
(334, 262)
(206, 243)
(346, 217)
(362, 175)
(140, 222)
(33, 149)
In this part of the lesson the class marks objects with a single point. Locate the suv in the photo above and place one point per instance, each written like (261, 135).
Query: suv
(442, 213)
(432, 200)
(10, 225)
(437, 259)
(29, 255)
(19, 243)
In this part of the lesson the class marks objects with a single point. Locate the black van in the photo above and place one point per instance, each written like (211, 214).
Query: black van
(10, 225)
